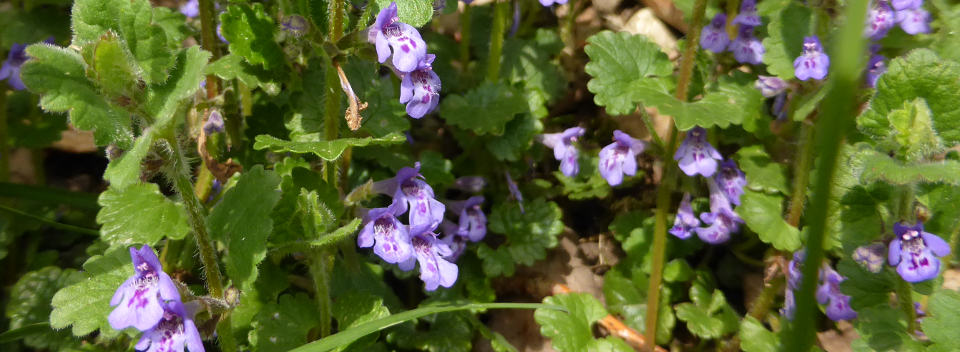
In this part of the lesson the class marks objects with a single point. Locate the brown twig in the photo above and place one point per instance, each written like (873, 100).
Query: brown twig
(616, 327)
(352, 115)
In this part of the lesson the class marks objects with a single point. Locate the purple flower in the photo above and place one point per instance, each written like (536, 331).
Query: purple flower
(914, 21)
(470, 184)
(870, 256)
(875, 68)
(721, 218)
(191, 8)
(420, 89)
(551, 2)
(696, 155)
(838, 304)
(472, 223)
(139, 299)
(714, 37)
(514, 191)
(879, 20)
(620, 157)
(789, 304)
(429, 252)
(220, 34)
(563, 149)
(814, 63)
(295, 25)
(388, 237)
(10, 70)
(731, 180)
(770, 86)
(748, 14)
(410, 191)
(214, 123)
(915, 252)
(901, 5)
(456, 243)
(387, 32)
(685, 221)
(746, 48)
(175, 329)
(794, 274)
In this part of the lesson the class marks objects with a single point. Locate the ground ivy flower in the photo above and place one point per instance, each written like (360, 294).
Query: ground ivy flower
(746, 48)
(695, 155)
(214, 123)
(10, 70)
(388, 33)
(901, 5)
(870, 256)
(410, 191)
(563, 149)
(814, 63)
(295, 25)
(731, 180)
(685, 221)
(388, 237)
(914, 21)
(915, 252)
(175, 328)
(552, 2)
(456, 243)
(429, 252)
(514, 191)
(220, 34)
(139, 300)
(880, 19)
(789, 304)
(838, 304)
(748, 14)
(770, 86)
(420, 89)
(794, 274)
(190, 8)
(472, 222)
(876, 67)
(714, 36)
(620, 157)
(721, 218)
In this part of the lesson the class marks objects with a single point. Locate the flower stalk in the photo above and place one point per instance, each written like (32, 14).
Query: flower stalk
(500, 12)
(208, 41)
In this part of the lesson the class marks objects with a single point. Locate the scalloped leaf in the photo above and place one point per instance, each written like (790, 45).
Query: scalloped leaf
(326, 150)
(619, 64)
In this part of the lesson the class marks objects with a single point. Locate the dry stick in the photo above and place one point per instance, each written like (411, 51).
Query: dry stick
(669, 178)
(615, 326)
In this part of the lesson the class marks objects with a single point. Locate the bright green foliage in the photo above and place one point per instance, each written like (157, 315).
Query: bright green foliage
(485, 109)
(165, 100)
(620, 64)
(29, 303)
(172, 23)
(913, 131)
(413, 12)
(125, 171)
(763, 213)
(284, 325)
(529, 235)
(86, 304)
(789, 23)
(59, 76)
(756, 338)
(327, 150)
(114, 69)
(139, 214)
(588, 183)
(242, 222)
(232, 66)
(384, 113)
(709, 316)
(627, 297)
(250, 33)
(943, 317)
(516, 138)
(529, 63)
(570, 331)
(147, 41)
(763, 174)
(919, 74)
(355, 309)
(91, 18)
(879, 167)
(734, 100)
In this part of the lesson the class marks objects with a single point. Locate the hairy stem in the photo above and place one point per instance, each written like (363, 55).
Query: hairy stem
(331, 123)
(905, 300)
(208, 41)
(500, 12)
(801, 174)
(320, 265)
(465, 36)
(838, 111)
(336, 20)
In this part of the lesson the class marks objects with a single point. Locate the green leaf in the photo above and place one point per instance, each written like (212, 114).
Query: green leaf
(140, 214)
(763, 213)
(865, 288)
(448, 332)
(327, 150)
(587, 184)
(709, 316)
(173, 24)
(529, 233)
(250, 32)
(763, 174)
(59, 76)
(878, 167)
(628, 299)
(620, 63)
(529, 63)
(413, 12)
(126, 170)
(232, 66)
(919, 74)
(358, 308)
(29, 303)
(495, 262)
(570, 331)
(242, 222)
(485, 109)
(699, 321)
(284, 325)
(884, 329)
(86, 304)
(516, 138)
(913, 131)
(756, 338)
(734, 100)
(114, 68)
(943, 317)
(344, 337)
(165, 100)
(147, 41)
(92, 18)
(436, 169)
(785, 32)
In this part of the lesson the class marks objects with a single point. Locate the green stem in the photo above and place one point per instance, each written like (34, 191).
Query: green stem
(566, 31)
(801, 174)
(649, 124)
(208, 41)
(838, 111)
(4, 146)
(331, 123)
(668, 182)
(336, 20)
(497, 31)
(320, 265)
(465, 36)
(763, 302)
(905, 300)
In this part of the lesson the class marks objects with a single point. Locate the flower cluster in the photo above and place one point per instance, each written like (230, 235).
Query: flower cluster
(746, 47)
(150, 302)
(915, 252)
(828, 290)
(417, 242)
(881, 18)
(419, 86)
(615, 160)
(563, 149)
(697, 157)
(10, 70)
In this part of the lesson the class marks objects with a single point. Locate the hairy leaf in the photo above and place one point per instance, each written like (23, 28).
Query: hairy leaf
(763, 213)
(327, 150)
(785, 32)
(86, 304)
(140, 214)
(250, 32)
(620, 64)
(485, 109)
(570, 331)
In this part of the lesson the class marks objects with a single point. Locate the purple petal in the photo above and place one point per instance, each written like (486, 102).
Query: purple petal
(406, 89)
(893, 253)
(383, 48)
(914, 21)
(610, 165)
(936, 244)
(168, 290)
(900, 5)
